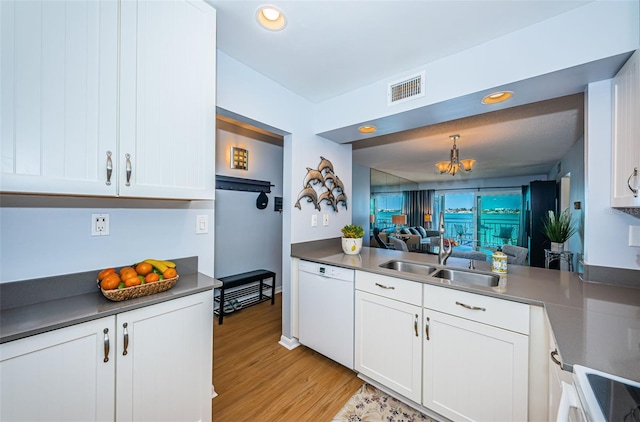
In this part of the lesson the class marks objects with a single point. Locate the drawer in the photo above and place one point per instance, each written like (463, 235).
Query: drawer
(394, 288)
(500, 313)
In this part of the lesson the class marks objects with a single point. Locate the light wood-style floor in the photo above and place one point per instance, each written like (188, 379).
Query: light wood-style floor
(258, 380)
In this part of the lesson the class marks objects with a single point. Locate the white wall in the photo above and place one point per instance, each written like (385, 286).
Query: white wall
(247, 93)
(498, 182)
(597, 30)
(247, 238)
(43, 236)
(606, 229)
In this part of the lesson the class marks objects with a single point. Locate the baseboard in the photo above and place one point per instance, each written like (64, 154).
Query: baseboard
(289, 343)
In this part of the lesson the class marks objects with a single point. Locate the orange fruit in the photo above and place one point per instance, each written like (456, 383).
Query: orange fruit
(105, 273)
(128, 274)
(169, 273)
(110, 282)
(151, 277)
(144, 268)
(132, 281)
(127, 271)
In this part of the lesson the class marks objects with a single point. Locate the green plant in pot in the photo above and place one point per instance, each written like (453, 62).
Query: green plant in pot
(558, 228)
(352, 239)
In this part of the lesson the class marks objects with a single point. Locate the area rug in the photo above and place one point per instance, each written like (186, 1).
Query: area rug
(369, 404)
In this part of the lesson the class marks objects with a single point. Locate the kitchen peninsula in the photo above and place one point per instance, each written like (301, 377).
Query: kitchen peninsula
(591, 324)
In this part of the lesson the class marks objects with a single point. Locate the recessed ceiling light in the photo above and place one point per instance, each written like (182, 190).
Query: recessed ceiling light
(367, 129)
(497, 97)
(271, 18)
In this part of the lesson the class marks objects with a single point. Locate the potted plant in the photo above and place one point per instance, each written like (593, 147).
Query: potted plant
(352, 239)
(558, 228)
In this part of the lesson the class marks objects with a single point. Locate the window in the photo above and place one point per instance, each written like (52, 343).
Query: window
(481, 219)
(383, 206)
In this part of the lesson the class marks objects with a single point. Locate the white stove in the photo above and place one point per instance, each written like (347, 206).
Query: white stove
(604, 397)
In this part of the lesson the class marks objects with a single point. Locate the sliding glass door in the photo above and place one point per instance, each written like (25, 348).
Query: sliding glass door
(481, 219)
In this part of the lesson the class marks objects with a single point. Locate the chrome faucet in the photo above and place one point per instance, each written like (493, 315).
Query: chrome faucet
(443, 253)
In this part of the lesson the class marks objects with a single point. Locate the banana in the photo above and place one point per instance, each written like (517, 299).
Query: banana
(159, 265)
(169, 264)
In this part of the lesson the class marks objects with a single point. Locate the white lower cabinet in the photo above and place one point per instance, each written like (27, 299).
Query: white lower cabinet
(388, 343)
(158, 367)
(166, 371)
(60, 375)
(473, 371)
(556, 376)
(462, 355)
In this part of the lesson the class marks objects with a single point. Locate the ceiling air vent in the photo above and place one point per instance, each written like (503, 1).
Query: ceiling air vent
(406, 89)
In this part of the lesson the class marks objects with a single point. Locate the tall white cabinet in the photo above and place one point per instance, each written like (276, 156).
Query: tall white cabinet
(152, 363)
(108, 98)
(625, 180)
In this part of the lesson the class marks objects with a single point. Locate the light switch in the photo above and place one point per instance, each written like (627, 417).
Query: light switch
(325, 219)
(314, 220)
(634, 235)
(202, 224)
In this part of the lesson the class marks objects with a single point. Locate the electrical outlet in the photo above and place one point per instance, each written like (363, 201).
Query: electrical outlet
(202, 224)
(314, 220)
(99, 224)
(325, 219)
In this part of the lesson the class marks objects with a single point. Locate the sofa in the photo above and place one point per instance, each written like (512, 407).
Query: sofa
(413, 236)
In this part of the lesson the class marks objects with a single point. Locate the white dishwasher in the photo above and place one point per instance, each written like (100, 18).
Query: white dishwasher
(325, 310)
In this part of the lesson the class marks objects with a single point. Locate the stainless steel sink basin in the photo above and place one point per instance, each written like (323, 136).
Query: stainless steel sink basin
(460, 276)
(408, 267)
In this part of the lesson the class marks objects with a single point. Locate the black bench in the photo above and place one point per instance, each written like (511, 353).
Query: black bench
(242, 279)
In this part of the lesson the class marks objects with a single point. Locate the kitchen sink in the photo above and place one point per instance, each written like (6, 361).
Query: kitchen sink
(468, 277)
(408, 267)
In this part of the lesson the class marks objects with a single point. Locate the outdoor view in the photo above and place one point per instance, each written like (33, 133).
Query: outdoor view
(484, 219)
(481, 219)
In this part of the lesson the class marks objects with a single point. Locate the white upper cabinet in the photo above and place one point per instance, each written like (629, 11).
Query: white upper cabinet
(167, 99)
(625, 179)
(76, 92)
(59, 96)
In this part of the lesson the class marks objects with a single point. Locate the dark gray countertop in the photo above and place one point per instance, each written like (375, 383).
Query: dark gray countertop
(595, 325)
(35, 306)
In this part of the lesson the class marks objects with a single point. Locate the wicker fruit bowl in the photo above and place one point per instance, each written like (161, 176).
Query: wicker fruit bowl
(142, 279)
(139, 291)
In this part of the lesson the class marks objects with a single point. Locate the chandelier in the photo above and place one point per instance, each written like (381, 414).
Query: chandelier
(454, 164)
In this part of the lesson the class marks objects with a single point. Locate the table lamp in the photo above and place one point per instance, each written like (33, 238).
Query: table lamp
(398, 219)
(427, 219)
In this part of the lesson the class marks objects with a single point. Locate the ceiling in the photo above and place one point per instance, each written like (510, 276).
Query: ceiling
(332, 47)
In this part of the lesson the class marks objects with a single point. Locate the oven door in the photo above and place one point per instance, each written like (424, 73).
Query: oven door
(570, 408)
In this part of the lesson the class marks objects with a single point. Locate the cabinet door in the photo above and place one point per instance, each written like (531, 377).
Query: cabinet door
(164, 361)
(167, 99)
(626, 135)
(60, 375)
(388, 343)
(58, 99)
(473, 371)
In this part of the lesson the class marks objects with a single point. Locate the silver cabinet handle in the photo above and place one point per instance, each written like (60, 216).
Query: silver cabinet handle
(126, 339)
(106, 344)
(385, 287)
(554, 359)
(426, 328)
(109, 168)
(415, 325)
(634, 174)
(473, 308)
(128, 169)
